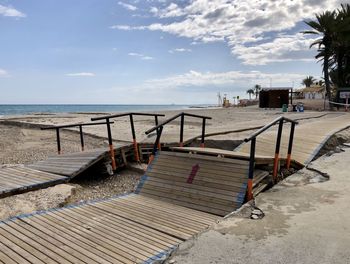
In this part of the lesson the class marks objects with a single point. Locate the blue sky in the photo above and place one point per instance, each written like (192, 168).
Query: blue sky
(151, 51)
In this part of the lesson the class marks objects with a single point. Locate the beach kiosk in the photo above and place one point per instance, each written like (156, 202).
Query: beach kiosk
(274, 97)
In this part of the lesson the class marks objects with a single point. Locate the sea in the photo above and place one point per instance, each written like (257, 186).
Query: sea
(23, 109)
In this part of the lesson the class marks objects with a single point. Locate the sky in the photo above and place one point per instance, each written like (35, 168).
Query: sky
(152, 51)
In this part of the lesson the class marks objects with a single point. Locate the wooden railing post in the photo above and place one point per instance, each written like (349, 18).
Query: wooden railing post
(58, 141)
(250, 195)
(290, 145)
(81, 137)
(110, 143)
(203, 132)
(136, 151)
(277, 151)
(182, 130)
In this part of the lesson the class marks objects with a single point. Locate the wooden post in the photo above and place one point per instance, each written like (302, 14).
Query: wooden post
(290, 145)
(182, 130)
(58, 141)
(277, 151)
(111, 147)
(203, 133)
(81, 137)
(136, 151)
(250, 195)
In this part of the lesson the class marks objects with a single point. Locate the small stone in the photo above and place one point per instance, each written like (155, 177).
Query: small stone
(257, 212)
(172, 261)
(255, 217)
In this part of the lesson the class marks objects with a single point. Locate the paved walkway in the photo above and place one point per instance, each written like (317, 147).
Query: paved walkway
(302, 224)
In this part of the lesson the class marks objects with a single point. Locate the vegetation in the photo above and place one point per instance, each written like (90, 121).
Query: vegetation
(308, 81)
(257, 89)
(250, 92)
(333, 46)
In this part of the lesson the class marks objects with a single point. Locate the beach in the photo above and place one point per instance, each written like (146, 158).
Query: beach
(22, 142)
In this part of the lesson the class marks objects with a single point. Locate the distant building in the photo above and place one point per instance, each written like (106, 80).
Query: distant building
(314, 92)
(274, 97)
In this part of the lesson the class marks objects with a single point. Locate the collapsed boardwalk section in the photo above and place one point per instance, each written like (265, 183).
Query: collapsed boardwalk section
(211, 184)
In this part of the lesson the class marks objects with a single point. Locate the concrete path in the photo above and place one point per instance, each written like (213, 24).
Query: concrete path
(304, 222)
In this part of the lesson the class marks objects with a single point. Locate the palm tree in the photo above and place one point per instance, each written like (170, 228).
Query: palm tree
(308, 81)
(250, 92)
(325, 26)
(257, 89)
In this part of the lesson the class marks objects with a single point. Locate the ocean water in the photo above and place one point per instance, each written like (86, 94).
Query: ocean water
(61, 108)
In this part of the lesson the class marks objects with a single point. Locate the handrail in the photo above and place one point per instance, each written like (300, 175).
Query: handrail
(109, 133)
(173, 118)
(272, 123)
(280, 120)
(74, 125)
(124, 114)
(80, 125)
(182, 115)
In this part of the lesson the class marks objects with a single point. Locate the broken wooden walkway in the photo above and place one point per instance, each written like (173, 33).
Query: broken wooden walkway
(53, 170)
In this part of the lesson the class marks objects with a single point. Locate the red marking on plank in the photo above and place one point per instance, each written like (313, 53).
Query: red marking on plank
(195, 169)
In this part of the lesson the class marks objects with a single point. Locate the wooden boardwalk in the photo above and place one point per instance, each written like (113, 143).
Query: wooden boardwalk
(210, 184)
(54, 170)
(72, 164)
(128, 229)
(14, 180)
(309, 138)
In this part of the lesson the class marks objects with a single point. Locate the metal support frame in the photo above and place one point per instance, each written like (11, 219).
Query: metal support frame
(182, 123)
(290, 145)
(58, 141)
(251, 169)
(277, 150)
(252, 138)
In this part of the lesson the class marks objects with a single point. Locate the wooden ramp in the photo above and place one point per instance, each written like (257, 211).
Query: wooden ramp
(128, 229)
(211, 184)
(309, 138)
(72, 164)
(14, 180)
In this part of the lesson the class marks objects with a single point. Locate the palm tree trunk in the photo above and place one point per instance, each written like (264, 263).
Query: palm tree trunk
(326, 77)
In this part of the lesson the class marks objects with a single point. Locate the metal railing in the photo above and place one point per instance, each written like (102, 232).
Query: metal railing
(182, 124)
(80, 125)
(159, 130)
(109, 133)
(280, 120)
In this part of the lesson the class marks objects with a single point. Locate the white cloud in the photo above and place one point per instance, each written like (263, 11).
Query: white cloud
(3, 73)
(81, 74)
(10, 12)
(179, 50)
(127, 6)
(141, 56)
(216, 79)
(242, 24)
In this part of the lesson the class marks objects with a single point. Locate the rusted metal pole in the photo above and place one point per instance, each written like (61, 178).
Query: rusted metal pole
(290, 145)
(110, 143)
(277, 151)
(250, 195)
(58, 141)
(182, 130)
(81, 137)
(203, 133)
(136, 151)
